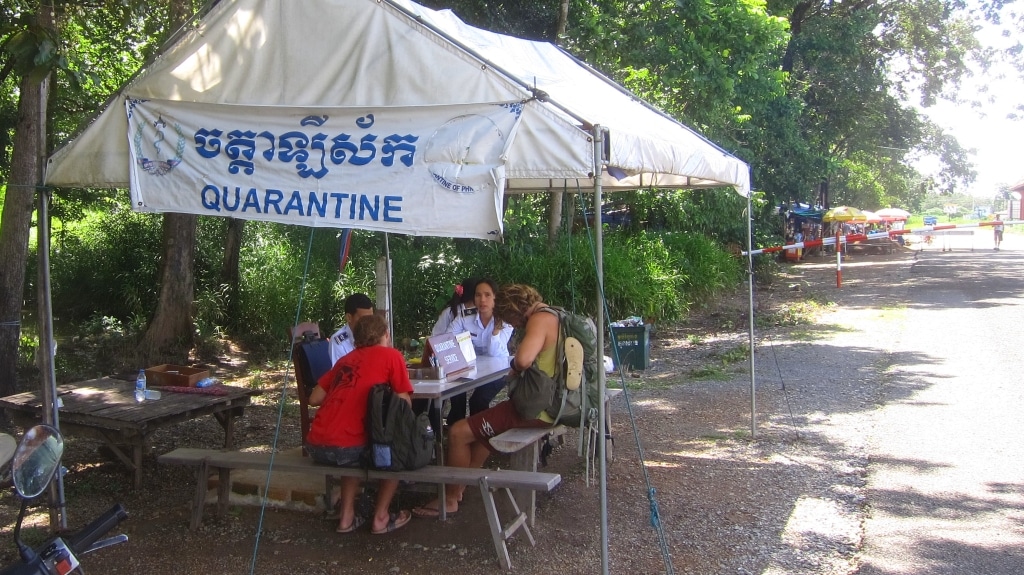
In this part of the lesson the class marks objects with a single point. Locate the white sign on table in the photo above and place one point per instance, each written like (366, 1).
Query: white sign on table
(449, 352)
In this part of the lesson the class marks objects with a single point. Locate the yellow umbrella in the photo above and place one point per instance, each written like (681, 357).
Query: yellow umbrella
(844, 214)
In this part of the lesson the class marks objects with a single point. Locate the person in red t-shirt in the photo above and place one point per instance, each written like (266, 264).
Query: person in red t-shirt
(337, 435)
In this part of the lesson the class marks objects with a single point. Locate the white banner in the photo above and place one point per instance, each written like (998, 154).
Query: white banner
(425, 170)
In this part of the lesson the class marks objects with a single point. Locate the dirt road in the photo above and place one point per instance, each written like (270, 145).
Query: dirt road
(934, 358)
(946, 460)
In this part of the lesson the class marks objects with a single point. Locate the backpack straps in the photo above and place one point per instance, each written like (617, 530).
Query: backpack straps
(560, 361)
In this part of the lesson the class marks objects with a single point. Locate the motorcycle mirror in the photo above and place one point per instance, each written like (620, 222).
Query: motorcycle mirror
(36, 460)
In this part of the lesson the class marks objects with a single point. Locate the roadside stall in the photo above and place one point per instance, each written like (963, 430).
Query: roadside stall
(842, 220)
(803, 222)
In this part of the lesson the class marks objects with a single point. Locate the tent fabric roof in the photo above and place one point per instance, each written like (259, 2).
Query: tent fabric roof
(395, 53)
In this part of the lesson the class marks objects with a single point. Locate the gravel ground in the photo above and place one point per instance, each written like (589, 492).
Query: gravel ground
(867, 458)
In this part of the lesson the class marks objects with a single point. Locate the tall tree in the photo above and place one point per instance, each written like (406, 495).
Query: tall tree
(29, 51)
(854, 65)
(171, 330)
(230, 274)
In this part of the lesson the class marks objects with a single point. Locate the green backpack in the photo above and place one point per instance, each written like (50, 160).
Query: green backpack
(575, 407)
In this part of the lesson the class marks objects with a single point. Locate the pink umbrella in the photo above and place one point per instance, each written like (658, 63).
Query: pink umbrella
(892, 214)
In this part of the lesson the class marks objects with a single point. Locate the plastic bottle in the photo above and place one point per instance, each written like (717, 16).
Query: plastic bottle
(140, 386)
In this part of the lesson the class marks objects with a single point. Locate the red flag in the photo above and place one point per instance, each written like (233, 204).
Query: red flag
(346, 243)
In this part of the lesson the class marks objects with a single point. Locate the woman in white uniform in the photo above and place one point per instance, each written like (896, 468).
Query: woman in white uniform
(490, 338)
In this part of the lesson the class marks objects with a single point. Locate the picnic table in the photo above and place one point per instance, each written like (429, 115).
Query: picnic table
(105, 409)
(484, 370)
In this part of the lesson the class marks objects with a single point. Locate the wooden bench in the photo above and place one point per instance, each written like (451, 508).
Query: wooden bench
(524, 445)
(488, 480)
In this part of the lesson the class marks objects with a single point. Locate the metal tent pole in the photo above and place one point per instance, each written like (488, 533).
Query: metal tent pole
(599, 260)
(750, 314)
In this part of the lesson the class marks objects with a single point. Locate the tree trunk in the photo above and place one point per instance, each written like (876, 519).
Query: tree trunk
(229, 269)
(170, 331)
(555, 210)
(26, 166)
(554, 218)
(563, 17)
(796, 22)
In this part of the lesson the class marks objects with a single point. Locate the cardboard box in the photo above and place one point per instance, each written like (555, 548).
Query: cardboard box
(179, 375)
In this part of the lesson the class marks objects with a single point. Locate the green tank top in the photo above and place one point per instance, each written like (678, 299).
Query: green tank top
(546, 361)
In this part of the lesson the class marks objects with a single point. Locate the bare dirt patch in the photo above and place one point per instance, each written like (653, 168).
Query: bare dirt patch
(787, 501)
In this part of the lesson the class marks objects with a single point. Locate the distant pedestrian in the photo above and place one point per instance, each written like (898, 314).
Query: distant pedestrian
(997, 232)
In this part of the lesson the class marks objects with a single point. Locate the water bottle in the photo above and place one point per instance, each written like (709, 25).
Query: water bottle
(140, 386)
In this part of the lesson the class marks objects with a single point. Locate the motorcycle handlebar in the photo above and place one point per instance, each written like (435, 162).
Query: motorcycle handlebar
(80, 542)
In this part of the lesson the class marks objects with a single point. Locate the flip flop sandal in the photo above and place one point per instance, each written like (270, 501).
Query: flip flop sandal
(357, 522)
(574, 363)
(395, 522)
(430, 512)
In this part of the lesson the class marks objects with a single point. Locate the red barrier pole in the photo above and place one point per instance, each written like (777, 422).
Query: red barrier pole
(839, 261)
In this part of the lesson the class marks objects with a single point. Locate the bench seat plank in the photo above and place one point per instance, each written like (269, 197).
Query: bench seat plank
(513, 440)
(488, 480)
(293, 462)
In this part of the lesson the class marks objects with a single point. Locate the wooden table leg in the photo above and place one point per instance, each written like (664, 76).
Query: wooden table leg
(137, 463)
(442, 505)
(223, 490)
(199, 498)
(227, 421)
(526, 460)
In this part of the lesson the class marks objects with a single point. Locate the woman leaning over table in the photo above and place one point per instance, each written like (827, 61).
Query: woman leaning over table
(490, 338)
(337, 435)
(469, 439)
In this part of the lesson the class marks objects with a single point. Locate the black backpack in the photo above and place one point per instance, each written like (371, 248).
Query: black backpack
(399, 439)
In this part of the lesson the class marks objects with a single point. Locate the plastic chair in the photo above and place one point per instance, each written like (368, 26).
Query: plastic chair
(311, 358)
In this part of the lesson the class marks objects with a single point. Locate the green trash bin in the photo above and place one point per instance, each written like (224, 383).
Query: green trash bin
(633, 344)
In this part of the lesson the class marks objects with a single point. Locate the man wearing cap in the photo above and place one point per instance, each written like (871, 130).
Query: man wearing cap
(356, 306)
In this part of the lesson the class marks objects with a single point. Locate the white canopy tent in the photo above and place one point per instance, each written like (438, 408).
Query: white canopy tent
(380, 115)
(368, 55)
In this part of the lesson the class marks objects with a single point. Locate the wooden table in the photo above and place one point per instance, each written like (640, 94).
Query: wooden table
(105, 409)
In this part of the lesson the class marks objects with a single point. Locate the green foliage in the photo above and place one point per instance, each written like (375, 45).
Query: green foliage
(107, 266)
(275, 280)
(27, 346)
(657, 275)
